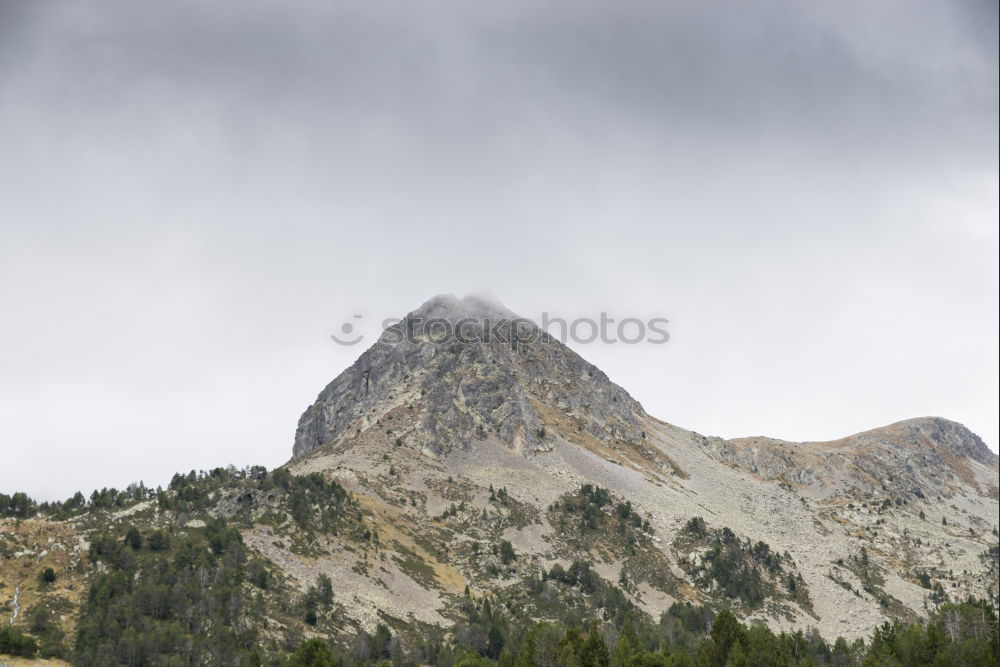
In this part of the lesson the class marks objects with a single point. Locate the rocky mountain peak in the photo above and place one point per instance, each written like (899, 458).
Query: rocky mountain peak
(911, 458)
(936, 434)
(463, 371)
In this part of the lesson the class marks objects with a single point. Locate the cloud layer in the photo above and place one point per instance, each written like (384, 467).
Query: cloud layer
(194, 195)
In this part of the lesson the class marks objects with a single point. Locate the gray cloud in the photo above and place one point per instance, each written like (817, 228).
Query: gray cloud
(193, 195)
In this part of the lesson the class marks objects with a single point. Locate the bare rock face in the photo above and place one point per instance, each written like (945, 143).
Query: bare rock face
(468, 370)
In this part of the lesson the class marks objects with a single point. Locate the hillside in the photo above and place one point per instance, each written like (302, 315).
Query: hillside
(432, 477)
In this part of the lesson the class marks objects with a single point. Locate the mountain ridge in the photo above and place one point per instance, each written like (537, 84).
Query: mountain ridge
(457, 403)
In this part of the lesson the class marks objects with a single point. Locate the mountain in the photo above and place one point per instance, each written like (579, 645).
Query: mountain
(495, 384)
(540, 422)
(467, 458)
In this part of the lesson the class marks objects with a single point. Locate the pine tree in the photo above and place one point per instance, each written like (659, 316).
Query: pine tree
(594, 652)
(626, 646)
(726, 632)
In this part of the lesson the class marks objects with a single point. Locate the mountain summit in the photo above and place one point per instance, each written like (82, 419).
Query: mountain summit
(466, 371)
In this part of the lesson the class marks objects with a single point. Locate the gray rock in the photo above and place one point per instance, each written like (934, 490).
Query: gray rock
(484, 385)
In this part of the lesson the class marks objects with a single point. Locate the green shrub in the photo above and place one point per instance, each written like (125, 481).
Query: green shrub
(16, 643)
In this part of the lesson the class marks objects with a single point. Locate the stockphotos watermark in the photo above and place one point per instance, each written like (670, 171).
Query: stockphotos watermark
(516, 331)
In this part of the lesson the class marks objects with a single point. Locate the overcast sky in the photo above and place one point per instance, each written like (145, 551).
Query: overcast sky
(194, 195)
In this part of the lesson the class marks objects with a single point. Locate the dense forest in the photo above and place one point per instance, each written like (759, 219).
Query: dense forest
(957, 635)
(687, 635)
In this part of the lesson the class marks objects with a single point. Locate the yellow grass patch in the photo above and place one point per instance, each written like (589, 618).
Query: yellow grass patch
(388, 521)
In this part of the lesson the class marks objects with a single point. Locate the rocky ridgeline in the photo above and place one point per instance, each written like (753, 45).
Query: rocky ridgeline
(483, 387)
(909, 459)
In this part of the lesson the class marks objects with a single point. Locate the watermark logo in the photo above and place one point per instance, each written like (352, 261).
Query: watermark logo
(348, 333)
(515, 331)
